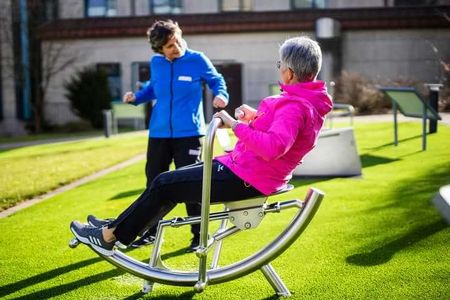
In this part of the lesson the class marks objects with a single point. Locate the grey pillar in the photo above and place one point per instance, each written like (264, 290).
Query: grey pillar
(107, 122)
(328, 34)
(433, 101)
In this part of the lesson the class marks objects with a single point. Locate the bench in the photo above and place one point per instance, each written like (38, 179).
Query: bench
(340, 110)
(335, 155)
(408, 101)
(129, 114)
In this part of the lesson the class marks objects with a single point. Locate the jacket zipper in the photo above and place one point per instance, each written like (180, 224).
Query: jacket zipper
(171, 99)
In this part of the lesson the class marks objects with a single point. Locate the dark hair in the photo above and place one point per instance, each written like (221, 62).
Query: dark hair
(160, 32)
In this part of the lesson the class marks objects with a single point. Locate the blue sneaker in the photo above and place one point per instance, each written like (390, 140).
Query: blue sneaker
(92, 236)
(96, 222)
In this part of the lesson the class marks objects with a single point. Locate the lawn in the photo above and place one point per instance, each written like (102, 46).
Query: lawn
(374, 237)
(31, 171)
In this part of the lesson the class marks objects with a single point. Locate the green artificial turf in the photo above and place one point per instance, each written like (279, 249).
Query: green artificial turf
(34, 170)
(374, 237)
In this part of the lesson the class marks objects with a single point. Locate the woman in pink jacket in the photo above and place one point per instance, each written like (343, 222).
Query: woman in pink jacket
(272, 141)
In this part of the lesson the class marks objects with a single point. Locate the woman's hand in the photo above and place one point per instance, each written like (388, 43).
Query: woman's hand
(128, 97)
(245, 113)
(227, 120)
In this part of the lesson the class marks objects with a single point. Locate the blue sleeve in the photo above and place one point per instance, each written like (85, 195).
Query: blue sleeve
(146, 94)
(213, 79)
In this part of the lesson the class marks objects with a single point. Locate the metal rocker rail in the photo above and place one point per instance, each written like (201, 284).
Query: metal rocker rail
(245, 214)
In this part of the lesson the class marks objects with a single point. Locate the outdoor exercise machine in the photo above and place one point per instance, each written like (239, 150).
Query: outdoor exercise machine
(409, 102)
(335, 154)
(243, 215)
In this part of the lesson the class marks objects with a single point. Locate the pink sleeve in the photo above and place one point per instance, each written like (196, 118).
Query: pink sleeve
(280, 136)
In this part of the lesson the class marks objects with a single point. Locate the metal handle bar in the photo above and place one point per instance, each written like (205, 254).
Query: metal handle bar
(206, 195)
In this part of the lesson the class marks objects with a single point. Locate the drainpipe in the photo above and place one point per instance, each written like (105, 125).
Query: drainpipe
(25, 60)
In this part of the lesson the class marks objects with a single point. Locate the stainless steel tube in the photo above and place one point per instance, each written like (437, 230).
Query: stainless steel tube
(206, 195)
(233, 271)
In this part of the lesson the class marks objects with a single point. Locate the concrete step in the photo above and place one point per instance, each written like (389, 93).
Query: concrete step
(442, 202)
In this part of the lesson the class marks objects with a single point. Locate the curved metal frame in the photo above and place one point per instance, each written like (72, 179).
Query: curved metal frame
(260, 260)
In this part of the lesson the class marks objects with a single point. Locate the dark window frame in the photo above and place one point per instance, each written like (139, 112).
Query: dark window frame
(415, 3)
(114, 72)
(137, 74)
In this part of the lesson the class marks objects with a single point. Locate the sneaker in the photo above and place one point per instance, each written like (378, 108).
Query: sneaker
(93, 237)
(96, 222)
(143, 241)
(195, 243)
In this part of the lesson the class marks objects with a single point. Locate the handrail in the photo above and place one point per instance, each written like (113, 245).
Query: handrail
(206, 195)
(349, 111)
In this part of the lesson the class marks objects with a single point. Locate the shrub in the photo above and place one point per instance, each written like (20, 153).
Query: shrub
(354, 89)
(89, 94)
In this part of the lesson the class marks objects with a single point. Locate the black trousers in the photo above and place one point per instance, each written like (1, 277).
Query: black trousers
(170, 188)
(183, 151)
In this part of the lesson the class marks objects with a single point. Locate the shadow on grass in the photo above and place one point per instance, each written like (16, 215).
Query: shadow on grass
(384, 253)
(274, 297)
(412, 198)
(368, 160)
(14, 287)
(64, 288)
(186, 295)
(127, 194)
(175, 253)
(399, 141)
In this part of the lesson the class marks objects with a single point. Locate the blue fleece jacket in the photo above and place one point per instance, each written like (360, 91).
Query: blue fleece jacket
(177, 87)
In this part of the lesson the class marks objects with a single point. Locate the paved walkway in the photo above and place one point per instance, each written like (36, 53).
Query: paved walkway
(46, 141)
(388, 117)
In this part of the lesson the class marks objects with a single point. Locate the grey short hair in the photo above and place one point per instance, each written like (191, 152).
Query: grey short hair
(303, 56)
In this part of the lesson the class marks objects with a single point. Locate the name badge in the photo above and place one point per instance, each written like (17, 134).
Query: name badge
(184, 78)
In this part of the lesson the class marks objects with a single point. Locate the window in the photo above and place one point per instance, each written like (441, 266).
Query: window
(140, 72)
(50, 10)
(158, 7)
(235, 5)
(100, 8)
(112, 70)
(299, 4)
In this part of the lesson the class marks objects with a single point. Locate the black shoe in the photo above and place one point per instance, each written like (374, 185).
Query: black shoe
(93, 237)
(144, 240)
(195, 243)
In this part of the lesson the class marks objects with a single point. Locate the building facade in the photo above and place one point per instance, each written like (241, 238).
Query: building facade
(382, 40)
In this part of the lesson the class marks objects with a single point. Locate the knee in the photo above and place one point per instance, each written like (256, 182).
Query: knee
(160, 181)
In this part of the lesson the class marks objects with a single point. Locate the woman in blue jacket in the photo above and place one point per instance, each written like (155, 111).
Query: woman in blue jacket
(177, 122)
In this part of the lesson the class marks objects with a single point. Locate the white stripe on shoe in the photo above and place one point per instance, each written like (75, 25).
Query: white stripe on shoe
(87, 241)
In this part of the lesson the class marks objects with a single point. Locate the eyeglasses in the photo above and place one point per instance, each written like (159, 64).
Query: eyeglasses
(278, 64)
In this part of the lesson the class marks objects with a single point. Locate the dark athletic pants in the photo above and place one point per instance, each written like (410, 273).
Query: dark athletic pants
(170, 188)
(183, 151)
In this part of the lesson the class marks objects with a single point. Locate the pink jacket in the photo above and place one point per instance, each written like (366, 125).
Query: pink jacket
(284, 130)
